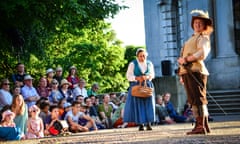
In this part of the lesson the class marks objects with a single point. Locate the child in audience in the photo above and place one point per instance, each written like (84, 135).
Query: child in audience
(34, 124)
(50, 119)
(44, 110)
(61, 107)
(9, 131)
(7, 119)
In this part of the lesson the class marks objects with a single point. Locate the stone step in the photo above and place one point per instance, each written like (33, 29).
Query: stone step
(229, 100)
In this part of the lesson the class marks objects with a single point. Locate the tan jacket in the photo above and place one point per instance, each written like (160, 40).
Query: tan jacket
(198, 46)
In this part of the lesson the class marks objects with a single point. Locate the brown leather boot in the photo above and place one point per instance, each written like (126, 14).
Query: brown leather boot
(206, 124)
(199, 127)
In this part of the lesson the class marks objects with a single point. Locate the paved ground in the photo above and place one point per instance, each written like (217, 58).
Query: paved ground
(225, 129)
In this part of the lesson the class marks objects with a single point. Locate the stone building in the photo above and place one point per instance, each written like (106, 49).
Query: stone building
(167, 27)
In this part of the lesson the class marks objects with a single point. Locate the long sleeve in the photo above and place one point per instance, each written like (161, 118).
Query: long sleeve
(203, 48)
(130, 72)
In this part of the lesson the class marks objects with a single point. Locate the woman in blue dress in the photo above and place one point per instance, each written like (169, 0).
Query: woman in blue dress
(140, 110)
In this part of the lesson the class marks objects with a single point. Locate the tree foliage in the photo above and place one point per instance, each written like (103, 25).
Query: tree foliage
(51, 33)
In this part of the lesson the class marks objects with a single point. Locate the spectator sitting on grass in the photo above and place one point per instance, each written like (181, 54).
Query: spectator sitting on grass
(73, 116)
(171, 110)
(162, 115)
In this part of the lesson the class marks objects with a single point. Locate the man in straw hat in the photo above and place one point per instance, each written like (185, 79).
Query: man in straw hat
(193, 73)
(29, 92)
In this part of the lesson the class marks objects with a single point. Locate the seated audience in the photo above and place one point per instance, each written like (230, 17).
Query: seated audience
(67, 107)
(42, 89)
(8, 129)
(55, 95)
(162, 115)
(19, 76)
(8, 119)
(41, 100)
(5, 95)
(20, 110)
(44, 110)
(50, 120)
(80, 89)
(117, 118)
(58, 75)
(73, 77)
(61, 106)
(80, 99)
(94, 101)
(29, 92)
(73, 116)
(92, 112)
(93, 90)
(16, 90)
(105, 111)
(67, 93)
(49, 77)
(89, 122)
(114, 101)
(171, 110)
(35, 126)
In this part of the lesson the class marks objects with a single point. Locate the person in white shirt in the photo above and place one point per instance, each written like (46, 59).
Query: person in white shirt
(29, 93)
(5, 96)
(73, 116)
(80, 89)
(140, 110)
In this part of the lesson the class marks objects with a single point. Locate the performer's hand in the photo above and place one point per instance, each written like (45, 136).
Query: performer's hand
(181, 61)
(181, 80)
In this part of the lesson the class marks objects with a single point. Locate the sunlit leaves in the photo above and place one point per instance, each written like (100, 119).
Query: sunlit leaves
(65, 33)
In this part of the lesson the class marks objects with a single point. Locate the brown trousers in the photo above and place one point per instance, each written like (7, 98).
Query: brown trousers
(195, 86)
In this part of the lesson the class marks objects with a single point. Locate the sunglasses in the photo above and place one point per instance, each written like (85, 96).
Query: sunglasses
(55, 83)
(6, 84)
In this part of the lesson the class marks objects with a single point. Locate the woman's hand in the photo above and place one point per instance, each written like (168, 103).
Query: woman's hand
(139, 78)
(142, 78)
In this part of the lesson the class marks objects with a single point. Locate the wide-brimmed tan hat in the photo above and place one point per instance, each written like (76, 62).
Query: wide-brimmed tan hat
(64, 81)
(200, 14)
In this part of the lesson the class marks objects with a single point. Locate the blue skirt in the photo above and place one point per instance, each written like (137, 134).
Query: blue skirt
(139, 110)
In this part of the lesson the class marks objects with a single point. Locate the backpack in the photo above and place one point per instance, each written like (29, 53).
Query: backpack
(58, 127)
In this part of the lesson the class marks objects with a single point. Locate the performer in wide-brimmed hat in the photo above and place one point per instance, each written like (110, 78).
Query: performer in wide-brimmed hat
(193, 72)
